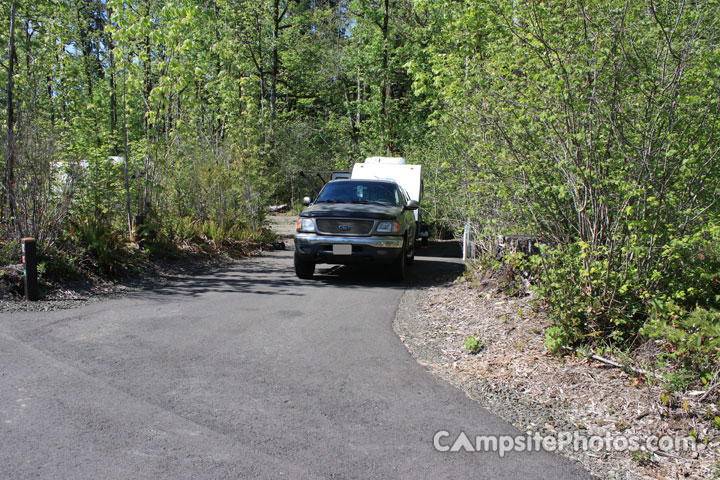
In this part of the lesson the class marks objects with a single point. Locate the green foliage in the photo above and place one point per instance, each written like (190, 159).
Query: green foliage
(264, 236)
(559, 121)
(693, 338)
(556, 339)
(221, 233)
(678, 381)
(154, 239)
(603, 295)
(641, 458)
(161, 247)
(56, 265)
(215, 106)
(103, 246)
(583, 294)
(10, 252)
(473, 345)
(181, 229)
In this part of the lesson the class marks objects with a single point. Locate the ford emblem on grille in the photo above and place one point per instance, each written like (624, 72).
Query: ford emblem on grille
(344, 228)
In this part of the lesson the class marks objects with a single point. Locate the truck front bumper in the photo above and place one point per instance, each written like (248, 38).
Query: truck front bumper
(311, 247)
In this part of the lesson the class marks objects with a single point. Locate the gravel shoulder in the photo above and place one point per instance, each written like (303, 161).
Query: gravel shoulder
(516, 377)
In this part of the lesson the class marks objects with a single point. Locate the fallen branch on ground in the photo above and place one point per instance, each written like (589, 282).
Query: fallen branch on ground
(612, 363)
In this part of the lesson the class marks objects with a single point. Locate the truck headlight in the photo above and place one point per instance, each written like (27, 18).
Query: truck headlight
(388, 227)
(305, 225)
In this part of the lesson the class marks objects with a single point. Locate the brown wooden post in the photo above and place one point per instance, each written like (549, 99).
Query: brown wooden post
(29, 259)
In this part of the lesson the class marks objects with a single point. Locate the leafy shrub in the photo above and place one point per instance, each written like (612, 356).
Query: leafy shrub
(693, 338)
(154, 238)
(181, 229)
(556, 339)
(161, 246)
(55, 264)
(264, 236)
(222, 232)
(609, 295)
(678, 381)
(473, 345)
(102, 245)
(10, 252)
(588, 297)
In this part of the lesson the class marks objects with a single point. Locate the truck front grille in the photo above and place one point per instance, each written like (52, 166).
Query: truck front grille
(344, 227)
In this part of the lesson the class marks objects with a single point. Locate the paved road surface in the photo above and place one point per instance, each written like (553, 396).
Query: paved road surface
(248, 373)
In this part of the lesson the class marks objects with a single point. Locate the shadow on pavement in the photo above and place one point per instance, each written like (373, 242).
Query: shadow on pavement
(437, 264)
(273, 274)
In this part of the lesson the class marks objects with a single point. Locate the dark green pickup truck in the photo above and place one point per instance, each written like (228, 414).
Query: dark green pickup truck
(357, 221)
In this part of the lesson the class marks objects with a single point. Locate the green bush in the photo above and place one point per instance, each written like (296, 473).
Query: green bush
(264, 236)
(608, 296)
(679, 381)
(556, 338)
(224, 231)
(10, 252)
(161, 246)
(473, 345)
(586, 296)
(55, 265)
(181, 229)
(692, 338)
(103, 246)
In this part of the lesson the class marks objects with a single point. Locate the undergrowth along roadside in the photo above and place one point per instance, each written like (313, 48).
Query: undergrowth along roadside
(616, 313)
(94, 250)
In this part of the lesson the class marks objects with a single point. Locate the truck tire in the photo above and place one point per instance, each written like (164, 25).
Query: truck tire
(410, 259)
(304, 269)
(399, 265)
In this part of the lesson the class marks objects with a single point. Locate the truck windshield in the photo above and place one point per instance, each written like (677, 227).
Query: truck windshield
(349, 191)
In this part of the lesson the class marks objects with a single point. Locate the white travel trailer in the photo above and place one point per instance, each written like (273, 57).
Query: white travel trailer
(409, 177)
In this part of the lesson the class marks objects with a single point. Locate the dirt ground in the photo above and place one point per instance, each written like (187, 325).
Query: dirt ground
(514, 375)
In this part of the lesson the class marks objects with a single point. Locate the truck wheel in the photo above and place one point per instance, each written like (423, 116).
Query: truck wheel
(304, 269)
(398, 265)
(409, 260)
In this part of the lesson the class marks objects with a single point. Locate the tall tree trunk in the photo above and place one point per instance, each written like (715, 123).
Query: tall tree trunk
(278, 16)
(113, 97)
(358, 100)
(385, 93)
(260, 65)
(11, 153)
(86, 49)
(51, 104)
(127, 153)
(274, 68)
(150, 128)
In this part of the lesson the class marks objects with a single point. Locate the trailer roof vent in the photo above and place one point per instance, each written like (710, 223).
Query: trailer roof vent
(386, 160)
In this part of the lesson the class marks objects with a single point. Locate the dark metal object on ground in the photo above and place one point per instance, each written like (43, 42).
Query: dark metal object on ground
(29, 260)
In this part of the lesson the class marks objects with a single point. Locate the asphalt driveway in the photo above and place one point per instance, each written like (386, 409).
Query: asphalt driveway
(245, 373)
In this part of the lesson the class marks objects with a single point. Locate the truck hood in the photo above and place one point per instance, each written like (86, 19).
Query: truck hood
(352, 210)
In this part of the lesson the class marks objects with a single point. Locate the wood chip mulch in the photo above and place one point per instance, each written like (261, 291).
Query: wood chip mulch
(515, 376)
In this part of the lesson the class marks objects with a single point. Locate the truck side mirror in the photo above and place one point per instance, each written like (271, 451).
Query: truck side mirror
(307, 201)
(412, 205)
